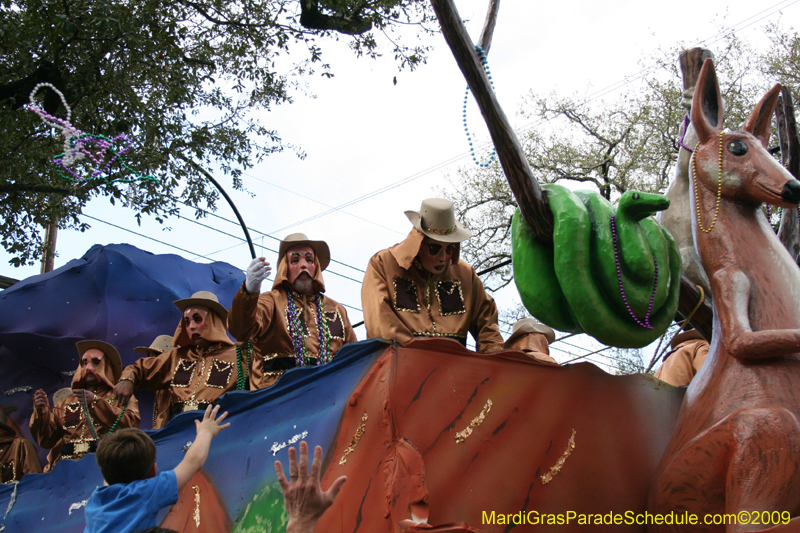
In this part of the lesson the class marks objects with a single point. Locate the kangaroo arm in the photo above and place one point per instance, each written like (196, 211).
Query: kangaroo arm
(732, 302)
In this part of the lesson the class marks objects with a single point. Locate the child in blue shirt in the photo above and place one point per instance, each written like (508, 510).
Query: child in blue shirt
(134, 492)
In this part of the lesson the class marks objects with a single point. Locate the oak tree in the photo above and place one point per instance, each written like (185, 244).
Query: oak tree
(181, 77)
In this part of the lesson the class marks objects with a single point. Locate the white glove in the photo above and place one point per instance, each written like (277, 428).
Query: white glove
(257, 271)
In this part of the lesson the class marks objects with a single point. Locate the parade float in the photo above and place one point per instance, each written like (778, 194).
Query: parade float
(435, 437)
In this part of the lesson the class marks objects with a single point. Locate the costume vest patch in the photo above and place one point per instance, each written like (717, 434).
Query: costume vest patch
(451, 299)
(72, 415)
(183, 373)
(8, 472)
(405, 295)
(335, 324)
(220, 374)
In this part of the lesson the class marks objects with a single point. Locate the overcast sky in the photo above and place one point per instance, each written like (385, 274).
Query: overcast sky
(365, 135)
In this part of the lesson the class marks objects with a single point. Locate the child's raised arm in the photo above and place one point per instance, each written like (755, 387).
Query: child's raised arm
(195, 458)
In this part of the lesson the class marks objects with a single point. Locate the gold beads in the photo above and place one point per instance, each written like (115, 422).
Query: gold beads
(719, 187)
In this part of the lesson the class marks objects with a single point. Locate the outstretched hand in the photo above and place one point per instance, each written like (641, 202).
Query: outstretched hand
(257, 271)
(210, 423)
(303, 496)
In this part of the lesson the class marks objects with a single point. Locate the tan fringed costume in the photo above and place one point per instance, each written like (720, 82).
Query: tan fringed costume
(195, 376)
(65, 429)
(401, 300)
(689, 351)
(17, 455)
(264, 319)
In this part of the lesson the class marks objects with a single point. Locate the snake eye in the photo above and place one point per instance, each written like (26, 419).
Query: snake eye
(737, 147)
(636, 196)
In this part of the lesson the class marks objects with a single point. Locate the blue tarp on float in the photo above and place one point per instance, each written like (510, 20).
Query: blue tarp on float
(307, 404)
(124, 296)
(116, 293)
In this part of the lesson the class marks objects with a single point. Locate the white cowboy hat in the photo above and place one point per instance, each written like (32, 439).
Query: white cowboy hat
(205, 298)
(436, 219)
(530, 325)
(161, 344)
(60, 394)
(296, 239)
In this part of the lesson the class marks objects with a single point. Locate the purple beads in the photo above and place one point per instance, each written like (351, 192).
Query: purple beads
(646, 323)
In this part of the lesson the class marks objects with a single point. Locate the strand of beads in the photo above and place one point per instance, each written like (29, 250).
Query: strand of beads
(296, 332)
(695, 178)
(76, 145)
(114, 426)
(485, 64)
(241, 377)
(685, 127)
(87, 417)
(646, 323)
(324, 334)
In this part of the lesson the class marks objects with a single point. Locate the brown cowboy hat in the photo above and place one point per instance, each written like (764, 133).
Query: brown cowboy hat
(204, 298)
(530, 325)
(436, 219)
(688, 335)
(296, 239)
(161, 344)
(110, 352)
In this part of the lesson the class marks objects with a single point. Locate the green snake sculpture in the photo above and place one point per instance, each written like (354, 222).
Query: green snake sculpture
(613, 273)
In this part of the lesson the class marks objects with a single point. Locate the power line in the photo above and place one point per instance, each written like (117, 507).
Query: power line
(320, 203)
(594, 96)
(148, 237)
(254, 230)
(200, 255)
(597, 94)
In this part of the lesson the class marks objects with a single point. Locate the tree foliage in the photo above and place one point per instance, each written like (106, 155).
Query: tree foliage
(611, 146)
(181, 77)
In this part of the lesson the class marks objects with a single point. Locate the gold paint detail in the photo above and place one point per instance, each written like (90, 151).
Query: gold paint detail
(357, 437)
(190, 405)
(461, 436)
(555, 469)
(196, 506)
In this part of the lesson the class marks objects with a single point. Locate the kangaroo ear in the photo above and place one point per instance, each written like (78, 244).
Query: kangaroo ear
(707, 112)
(759, 123)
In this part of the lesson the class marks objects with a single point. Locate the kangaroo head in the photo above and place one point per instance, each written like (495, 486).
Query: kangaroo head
(738, 159)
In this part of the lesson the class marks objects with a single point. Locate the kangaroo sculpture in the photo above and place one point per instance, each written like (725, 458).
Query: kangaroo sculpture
(736, 445)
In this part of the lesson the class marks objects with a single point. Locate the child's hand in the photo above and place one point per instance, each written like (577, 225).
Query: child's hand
(210, 423)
